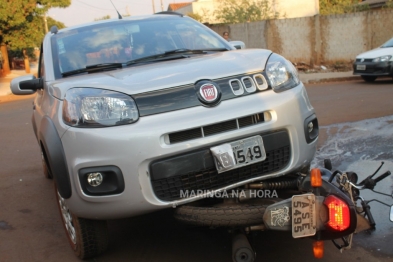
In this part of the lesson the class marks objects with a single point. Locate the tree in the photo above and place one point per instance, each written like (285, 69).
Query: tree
(195, 17)
(330, 7)
(21, 23)
(388, 4)
(241, 11)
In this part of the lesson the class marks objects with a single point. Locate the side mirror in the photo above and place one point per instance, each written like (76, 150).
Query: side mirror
(391, 213)
(26, 85)
(238, 44)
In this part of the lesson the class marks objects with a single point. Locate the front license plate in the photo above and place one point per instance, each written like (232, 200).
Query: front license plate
(360, 67)
(238, 153)
(303, 216)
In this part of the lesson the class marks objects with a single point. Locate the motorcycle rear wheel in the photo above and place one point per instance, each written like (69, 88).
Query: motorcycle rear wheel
(221, 215)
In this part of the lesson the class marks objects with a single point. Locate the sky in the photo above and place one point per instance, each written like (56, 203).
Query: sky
(85, 11)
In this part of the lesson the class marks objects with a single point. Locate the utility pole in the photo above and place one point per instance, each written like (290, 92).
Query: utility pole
(154, 8)
(45, 23)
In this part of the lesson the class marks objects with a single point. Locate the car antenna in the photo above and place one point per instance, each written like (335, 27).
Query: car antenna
(120, 17)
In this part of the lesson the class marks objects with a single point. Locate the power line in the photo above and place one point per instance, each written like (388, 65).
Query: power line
(94, 6)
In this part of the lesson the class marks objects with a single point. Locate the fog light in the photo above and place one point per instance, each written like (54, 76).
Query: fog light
(95, 179)
(310, 127)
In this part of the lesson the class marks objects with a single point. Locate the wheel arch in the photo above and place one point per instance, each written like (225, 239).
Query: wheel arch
(54, 153)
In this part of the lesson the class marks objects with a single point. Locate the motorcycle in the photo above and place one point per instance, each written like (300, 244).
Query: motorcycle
(322, 205)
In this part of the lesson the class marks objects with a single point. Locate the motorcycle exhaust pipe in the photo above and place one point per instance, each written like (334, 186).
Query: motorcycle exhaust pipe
(241, 249)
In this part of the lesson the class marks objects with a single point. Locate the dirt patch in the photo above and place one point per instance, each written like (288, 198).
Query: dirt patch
(339, 66)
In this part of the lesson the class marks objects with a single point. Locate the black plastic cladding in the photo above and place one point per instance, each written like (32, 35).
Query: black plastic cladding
(113, 181)
(196, 170)
(184, 96)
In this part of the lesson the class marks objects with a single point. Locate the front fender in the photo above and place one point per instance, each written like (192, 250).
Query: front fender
(56, 157)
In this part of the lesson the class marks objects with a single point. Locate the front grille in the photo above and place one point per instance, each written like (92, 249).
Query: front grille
(209, 130)
(220, 127)
(186, 135)
(169, 188)
(365, 60)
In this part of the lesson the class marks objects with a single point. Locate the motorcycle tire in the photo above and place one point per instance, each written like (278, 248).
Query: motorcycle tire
(221, 216)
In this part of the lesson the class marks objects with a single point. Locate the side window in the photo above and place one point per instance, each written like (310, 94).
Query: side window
(41, 67)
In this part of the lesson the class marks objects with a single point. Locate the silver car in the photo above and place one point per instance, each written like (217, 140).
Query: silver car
(144, 113)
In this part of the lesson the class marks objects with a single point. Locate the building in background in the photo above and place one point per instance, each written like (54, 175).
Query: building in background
(286, 8)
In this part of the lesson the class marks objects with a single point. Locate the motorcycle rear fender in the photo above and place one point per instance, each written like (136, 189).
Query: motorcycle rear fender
(323, 233)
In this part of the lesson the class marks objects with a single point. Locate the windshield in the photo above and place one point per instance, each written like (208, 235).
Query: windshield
(124, 40)
(388, 43)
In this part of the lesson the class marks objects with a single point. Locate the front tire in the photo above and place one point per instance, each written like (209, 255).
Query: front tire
(88, 238)
(369, 79)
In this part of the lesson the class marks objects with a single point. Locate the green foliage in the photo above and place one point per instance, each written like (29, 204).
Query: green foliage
(388, 4)
(331, 7)
(19, 53)
(105, 17)
(195, 17)
(241, 11)
(22, 24)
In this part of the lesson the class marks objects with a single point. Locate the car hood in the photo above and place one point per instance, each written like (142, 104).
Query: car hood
(377, 52)
(161, 75)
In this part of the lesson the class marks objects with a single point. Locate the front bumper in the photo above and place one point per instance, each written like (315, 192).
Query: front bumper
(136, 150)
(369, 68)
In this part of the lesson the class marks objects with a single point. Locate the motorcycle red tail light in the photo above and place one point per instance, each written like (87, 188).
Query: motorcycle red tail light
(339, 217)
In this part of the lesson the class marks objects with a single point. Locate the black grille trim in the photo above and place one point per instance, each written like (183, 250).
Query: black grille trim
(181, 97)
(218, 128)
(169, 189)
(196, 170)
(365, 60)
(186, 135)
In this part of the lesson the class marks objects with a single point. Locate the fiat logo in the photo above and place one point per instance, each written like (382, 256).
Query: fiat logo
(208, 92)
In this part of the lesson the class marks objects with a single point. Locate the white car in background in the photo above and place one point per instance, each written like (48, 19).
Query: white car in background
(375, 63)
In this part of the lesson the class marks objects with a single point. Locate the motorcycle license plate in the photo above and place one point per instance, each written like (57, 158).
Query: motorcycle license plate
(238, 153)
(304, 217)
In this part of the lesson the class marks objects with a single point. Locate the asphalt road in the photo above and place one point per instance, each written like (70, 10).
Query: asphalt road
(31, 230)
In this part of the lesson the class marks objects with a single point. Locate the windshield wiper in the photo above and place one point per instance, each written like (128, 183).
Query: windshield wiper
(196, 51)
(174, 54)
(103, 66)
(94, 68)
(168, 55)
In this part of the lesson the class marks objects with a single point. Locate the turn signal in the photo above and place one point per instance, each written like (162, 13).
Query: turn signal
(316, 177)
(318, 247)
(339, 218)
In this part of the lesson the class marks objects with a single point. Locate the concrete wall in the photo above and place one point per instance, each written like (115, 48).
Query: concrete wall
(317, 39)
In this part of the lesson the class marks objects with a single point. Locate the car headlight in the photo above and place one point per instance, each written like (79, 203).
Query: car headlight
(281, 73)
(382, 58)
(90, 107)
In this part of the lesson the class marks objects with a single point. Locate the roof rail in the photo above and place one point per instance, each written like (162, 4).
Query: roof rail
(169, 13)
